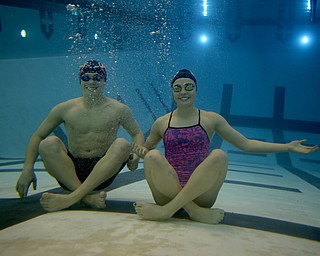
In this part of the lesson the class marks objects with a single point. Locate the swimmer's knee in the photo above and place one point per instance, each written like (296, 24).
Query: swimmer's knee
(122, 142)
(219, 154)
(219, 157)
(153, 155)
(122, 145)
(152, 160)
(49, 145)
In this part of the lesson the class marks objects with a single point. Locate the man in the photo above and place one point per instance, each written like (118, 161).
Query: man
(94, 155)
(189, 176)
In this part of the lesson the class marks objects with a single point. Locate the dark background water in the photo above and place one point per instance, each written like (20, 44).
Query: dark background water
(253, 45)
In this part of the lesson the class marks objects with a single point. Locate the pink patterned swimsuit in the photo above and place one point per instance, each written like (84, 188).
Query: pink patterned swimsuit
(186, 148)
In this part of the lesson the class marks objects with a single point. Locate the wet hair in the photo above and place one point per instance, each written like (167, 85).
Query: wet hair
(183, 73)
(93, 66)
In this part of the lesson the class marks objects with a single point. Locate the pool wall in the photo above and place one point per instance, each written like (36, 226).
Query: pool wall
(35, 77)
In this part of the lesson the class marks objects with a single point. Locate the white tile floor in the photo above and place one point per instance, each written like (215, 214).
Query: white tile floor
(97, 233)
(106, 233)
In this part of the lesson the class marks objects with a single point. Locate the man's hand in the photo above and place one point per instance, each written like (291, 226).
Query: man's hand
(133, 162)
(24, 182)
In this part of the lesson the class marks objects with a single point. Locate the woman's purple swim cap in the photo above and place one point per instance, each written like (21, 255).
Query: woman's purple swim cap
(183, 73)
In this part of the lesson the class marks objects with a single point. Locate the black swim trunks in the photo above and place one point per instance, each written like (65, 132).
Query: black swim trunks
(84, 167)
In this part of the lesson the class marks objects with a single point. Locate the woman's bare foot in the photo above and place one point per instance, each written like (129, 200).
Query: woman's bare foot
(96, 200)
(156, 212)
(151, 211)
(55, 202)
(207, 215)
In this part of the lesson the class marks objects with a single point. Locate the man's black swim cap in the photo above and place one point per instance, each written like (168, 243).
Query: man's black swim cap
(183, 73)
(93, 66)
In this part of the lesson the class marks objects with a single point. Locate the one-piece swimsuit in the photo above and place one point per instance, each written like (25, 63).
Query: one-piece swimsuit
(185, 148)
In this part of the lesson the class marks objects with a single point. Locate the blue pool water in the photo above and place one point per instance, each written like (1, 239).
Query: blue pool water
(144, 44)
(252, 67)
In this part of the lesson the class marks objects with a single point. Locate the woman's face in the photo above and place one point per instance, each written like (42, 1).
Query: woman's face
(184, 91)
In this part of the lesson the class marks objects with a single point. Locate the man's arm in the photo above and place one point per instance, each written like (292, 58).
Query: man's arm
(128, 122)
(131, 126)
(152, 140)
(248, 145)
(27, 176)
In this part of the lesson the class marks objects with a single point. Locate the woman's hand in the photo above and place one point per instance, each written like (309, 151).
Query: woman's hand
(297, 147)
(139, 150)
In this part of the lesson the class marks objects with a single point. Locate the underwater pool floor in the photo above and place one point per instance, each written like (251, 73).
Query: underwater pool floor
(270, 210)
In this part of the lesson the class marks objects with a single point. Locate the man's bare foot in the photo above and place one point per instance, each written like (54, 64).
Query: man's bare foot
(96, 200)
(55, 202)
(207, 215)
(151, 211)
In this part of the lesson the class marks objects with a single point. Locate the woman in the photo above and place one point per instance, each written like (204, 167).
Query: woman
(189, 176)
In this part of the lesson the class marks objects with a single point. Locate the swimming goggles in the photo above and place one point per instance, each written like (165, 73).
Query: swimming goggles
(187, 86)
(96, 78)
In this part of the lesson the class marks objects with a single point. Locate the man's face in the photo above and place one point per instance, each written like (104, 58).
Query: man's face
(92, 83)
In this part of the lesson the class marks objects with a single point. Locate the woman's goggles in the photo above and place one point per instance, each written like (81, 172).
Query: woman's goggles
(96, 78)
(187, 87)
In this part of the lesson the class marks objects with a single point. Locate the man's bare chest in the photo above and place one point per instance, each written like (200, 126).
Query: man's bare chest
(91, 121)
